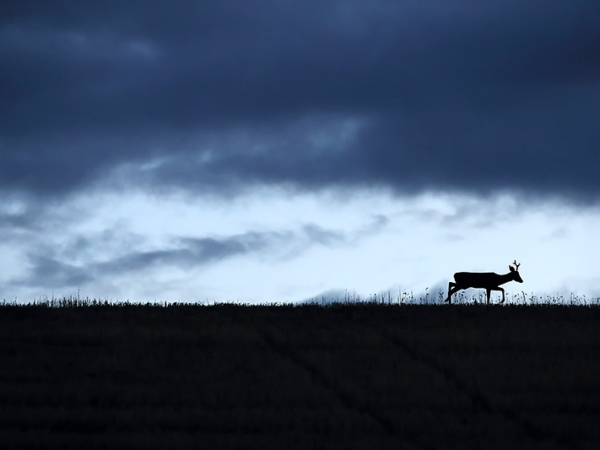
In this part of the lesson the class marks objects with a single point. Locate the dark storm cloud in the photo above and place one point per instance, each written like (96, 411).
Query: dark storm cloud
(213, 96)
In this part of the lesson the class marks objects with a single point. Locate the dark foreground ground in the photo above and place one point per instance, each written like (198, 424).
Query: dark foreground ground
(346, 376)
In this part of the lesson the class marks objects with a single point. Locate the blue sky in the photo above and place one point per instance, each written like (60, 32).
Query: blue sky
(275, 151)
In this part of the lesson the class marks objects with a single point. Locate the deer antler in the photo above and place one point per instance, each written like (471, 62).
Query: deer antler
(516, 265)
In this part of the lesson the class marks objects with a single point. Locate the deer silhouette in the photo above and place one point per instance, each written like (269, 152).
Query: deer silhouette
(489, 281)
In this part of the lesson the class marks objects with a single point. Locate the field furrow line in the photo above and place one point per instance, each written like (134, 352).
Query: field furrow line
(343, 397)
(480, 402)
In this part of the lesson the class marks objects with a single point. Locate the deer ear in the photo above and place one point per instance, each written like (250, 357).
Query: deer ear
(512, 269)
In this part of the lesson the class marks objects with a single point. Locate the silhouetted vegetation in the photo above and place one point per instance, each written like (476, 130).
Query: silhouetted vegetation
(90, 374)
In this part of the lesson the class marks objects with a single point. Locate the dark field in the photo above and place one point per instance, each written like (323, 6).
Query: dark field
(281, 377)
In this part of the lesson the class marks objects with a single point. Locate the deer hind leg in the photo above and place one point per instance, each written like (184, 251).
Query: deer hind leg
(451, 290)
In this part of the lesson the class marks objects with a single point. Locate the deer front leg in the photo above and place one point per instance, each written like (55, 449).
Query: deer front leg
(488, 292)
(497, 289)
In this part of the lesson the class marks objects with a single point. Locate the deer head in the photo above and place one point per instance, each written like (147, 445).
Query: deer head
(515, 271)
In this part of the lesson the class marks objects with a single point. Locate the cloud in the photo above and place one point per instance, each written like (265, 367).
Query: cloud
(210, 97)
(79, 261)
(52, 273)
(191, 252)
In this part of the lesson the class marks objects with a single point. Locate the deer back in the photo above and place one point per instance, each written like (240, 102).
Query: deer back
(480, 280)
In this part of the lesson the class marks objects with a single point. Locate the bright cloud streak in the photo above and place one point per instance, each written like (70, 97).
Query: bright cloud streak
(272, 247)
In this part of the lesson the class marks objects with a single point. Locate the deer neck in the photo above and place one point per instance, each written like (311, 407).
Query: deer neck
(506, 278)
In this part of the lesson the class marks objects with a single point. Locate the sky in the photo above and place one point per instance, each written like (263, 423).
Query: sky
(279, 151)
